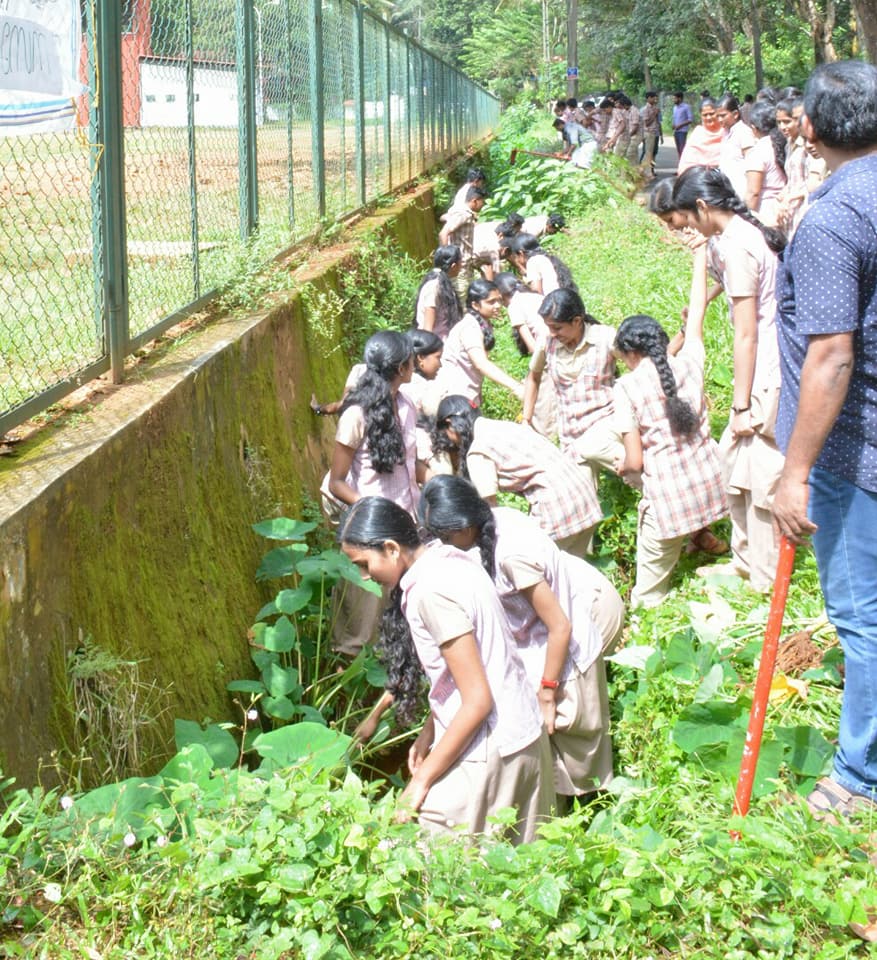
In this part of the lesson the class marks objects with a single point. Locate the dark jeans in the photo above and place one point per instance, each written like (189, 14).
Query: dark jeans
(846, 555)
(680, 136)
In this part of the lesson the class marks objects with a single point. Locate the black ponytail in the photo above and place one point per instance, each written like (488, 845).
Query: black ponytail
(645, 337)
(450, 504)
(529, 245)
(385, 352)
(478, 291)
(714, 188)
(457, 413)
(447, 303)
(368, 524)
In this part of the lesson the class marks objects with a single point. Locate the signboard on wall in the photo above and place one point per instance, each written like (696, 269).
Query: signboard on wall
(39, 60)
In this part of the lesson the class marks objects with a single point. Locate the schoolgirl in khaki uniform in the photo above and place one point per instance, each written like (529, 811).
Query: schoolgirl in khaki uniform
(547, 604)
(751, 460)
(578, 360)
(661, 413)
(483, 746)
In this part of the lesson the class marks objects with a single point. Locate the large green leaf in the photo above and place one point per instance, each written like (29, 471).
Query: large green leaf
(808, 754)
(310, 745)
(280, 562)
(280, 637)
(335, 564)
(193, 763)
(281, 681)
(219, 744)
(280, 708)
(291, 601)
(282, 528)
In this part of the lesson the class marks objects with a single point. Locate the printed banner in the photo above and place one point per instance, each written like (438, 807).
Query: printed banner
(39, 62)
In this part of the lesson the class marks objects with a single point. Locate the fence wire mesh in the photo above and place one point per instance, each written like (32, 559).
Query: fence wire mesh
(211, 135)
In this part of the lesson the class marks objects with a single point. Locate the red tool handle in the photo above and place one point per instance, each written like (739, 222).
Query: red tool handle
(765, 677)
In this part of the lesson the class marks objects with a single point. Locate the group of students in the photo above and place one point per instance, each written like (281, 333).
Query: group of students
(615, 124)
(760, 148)
(498, 613)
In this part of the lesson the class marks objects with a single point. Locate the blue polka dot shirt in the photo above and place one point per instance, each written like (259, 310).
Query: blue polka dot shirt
(828, 284)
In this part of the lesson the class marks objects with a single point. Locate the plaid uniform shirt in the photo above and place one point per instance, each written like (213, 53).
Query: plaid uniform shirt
(586, 399)
(561, 494)
(682, 479)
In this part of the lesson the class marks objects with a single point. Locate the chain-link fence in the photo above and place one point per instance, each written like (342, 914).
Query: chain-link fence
(213, 134)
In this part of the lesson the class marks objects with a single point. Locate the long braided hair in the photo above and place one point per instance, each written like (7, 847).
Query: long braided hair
(508, 285)
(457, 413)
(714, 188)
(450, 504)
(480, 290)
(447, 303)
(369, 524)
(385, 352)
(646, 337)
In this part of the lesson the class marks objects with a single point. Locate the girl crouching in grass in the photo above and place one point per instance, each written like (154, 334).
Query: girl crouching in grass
(482, 746)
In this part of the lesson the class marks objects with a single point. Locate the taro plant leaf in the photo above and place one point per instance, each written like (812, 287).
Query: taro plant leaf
(311, 714)
(218, 742)
(334, 564)
(808, 753)
(193, 763)
(261, 658)
(240, 686)
(280, 637)
(279, 708)
(126, 801)
(767, 770)
(281, 681)
(311, 745)
(282, 528)
(268, 610)
(705, 723)
(280, 562)
(710, 684)
(291, 601)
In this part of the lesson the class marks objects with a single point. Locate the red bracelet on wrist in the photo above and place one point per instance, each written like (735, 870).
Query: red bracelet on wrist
(550, 684)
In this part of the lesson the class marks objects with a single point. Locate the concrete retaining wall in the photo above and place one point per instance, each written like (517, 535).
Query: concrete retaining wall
(130, 524)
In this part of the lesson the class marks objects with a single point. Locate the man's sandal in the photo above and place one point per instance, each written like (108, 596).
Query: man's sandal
(829, 799)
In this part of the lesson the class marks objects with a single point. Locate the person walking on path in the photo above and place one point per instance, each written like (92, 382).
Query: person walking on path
(682, 120)
(827, 424)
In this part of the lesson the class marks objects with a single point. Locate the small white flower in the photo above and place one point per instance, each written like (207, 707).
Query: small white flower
(161, 841)
(385, 844)
(252, 715)
(129, 839)
(495, 923)
(66, 803)
(52, 892)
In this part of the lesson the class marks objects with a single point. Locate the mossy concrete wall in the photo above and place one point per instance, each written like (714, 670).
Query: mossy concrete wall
(131, 523)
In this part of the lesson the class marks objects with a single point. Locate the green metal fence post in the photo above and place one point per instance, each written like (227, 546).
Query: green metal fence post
(290, 165)
(388, 123)
(409, 166)
(193, 171)
(248, 171)
(421, 108)
(109, 185)
(315, 51)
(359, 98)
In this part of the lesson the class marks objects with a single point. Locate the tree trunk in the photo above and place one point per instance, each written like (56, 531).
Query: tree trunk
(756, 46)
(866, 17)
(647, 72)
(822, 29)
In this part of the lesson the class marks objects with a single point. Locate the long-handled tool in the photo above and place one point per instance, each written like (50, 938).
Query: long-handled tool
(765, 676)
(534, 153)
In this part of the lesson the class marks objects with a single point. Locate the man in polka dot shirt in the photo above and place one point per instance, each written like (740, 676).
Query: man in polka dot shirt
(827, 423)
